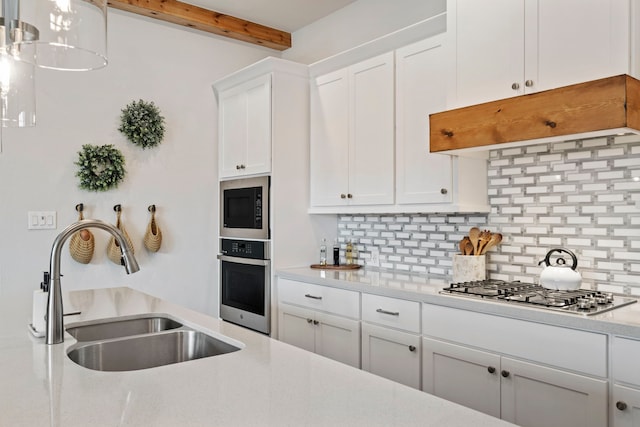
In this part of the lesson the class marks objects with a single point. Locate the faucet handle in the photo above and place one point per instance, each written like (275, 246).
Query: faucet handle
(46, 280)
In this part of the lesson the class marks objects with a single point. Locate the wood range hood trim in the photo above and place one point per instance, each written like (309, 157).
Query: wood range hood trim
(604, 107)
(210, 21)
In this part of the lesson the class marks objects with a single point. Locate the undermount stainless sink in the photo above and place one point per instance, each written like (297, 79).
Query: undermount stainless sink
(123, 328)
(141, 343)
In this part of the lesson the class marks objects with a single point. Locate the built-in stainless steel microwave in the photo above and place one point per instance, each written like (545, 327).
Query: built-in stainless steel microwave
(244, 208)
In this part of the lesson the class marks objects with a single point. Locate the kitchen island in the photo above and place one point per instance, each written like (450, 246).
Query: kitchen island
(267, 383)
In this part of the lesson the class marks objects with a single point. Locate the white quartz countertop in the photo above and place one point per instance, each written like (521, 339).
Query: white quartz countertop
(623, 321)
(267, 383)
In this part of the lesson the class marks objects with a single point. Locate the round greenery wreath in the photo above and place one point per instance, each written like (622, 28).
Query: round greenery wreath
(142, 124)
(101, 167)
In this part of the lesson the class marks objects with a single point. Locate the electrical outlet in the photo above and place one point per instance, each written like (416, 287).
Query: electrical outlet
(374, 260)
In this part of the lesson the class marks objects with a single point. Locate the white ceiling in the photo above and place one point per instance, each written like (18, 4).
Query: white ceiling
(285, 15)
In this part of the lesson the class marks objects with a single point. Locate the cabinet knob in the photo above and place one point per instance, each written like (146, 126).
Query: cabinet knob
(349, 196)
(443, 191)
(243, 167)
(528, 83)
(315, 322)
(515, 86)
(238, 167)
(505, 374)
(550, 123)
(447, 133)
(343, 196)
(412, 348)
(621, 405)
(309, 320)
(491, 370)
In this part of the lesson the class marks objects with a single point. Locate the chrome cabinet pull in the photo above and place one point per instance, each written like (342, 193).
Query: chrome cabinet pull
(349, 196)
(390, 313)
(528, 83)
(412, 348)
(505, 374)
(491, 370)
(309, 320)
(515, 86)
(622, 406)
(315, 322)
(343, 196)
(312, 296)
(443, 191)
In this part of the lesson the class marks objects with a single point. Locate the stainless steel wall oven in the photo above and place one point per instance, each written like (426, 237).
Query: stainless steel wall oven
(245, 283)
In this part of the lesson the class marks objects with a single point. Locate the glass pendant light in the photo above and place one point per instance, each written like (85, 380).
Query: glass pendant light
(72, 33)
(17, 92)
(17, 77)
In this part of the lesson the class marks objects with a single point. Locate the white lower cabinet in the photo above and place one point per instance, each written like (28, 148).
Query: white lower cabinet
(320, 319)
(626, 409)
(625, 402)
(391, 354)
(390, 338)
(523, 393)
(480, 371)
(335, 337)
(462, 375)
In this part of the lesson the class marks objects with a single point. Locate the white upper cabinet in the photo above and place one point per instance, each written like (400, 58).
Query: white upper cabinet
(352, 147)
(370, 136)
(504, 48)
(421, 177)
(245, 128)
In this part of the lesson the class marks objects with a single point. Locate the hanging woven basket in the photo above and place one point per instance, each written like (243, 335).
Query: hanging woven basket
(153, 235)
(113, 249)
(82, 243)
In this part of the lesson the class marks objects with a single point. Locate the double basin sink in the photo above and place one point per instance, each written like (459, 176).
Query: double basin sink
(140, 342)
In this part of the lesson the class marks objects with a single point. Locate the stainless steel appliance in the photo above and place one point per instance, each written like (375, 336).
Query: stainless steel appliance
(245, 283)
(244, 208)
(580, 301)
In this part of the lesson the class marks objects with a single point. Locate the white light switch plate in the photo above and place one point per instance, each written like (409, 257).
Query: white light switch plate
(41, 220)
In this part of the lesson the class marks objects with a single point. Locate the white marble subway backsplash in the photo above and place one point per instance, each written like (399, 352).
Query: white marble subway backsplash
(582, 195)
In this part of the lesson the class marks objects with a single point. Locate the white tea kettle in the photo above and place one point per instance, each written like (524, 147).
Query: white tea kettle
(560, 276)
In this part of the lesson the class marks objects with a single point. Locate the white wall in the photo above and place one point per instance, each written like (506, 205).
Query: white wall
(150, 60)
(355, 24)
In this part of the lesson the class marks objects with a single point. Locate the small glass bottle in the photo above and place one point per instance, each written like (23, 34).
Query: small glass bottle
(323, 252)
(336, 253)
(348, 252)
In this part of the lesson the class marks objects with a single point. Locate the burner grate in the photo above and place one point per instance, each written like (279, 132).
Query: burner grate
(580, 301)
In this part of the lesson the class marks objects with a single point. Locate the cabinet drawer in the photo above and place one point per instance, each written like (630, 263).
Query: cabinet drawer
(331, 300)
(566, 348)
(625, 356)
(393, 312)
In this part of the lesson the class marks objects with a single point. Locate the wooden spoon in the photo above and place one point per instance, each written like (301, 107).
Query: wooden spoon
(494, 241)
(474, 236)
(468, 249)
(463, 244)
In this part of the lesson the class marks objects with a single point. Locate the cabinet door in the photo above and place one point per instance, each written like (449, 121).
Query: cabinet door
(329, 149)
(245, 128)
(295, 326)
(391, 354)
(530, 396)
(462, 375)
(489, 49)
(421, 69)
(572, 41)
(371, 148)
(338, 338)
(626, 406)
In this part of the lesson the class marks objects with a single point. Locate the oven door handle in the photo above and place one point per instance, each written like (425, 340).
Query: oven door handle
(238, 260)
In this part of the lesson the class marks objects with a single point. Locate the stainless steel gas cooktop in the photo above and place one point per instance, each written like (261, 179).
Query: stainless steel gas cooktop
(582, 301)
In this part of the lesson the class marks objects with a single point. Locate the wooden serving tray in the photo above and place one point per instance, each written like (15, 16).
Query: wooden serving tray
(336, 267)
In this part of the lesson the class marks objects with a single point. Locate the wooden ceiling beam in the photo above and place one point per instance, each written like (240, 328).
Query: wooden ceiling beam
(207, 20)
